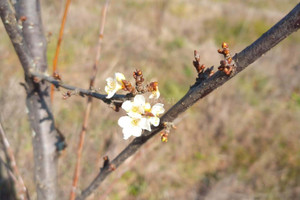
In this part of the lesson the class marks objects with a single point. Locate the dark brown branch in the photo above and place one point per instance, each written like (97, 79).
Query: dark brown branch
(277, 33)
(80, 91)
(30, 44)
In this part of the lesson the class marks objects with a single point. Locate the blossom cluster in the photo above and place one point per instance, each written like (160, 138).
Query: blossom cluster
(140, 114)
(119, 83)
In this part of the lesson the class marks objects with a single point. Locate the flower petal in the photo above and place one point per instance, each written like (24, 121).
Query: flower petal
(155, 94)
(127, 106)
(109, 80)
(145, 124)
(139, 100)
(127, 132)
(154, 121)
(119, 77)
(147, 107)
(158, 109)
(134, 115)
(136, 131)
(124, 121)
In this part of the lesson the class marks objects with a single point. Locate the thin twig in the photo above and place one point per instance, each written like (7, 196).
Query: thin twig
(272, 37)
(80, 91)
(60, 37)
(89, 104)
(23, 192)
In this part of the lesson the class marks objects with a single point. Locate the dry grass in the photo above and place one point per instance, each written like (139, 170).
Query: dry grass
(241, 142)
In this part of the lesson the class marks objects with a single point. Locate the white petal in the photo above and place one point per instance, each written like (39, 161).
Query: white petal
(147, 107)
(145, 124)
(126, 133)
(139, 100)
(111, 93)
(155, 94)
(136, 131)
(125, 121)
(107, 89)
(134, 115)
(158, 109)
(127, 106)
(109, 80)
(118, 86)
(154, 121)
(119, 77)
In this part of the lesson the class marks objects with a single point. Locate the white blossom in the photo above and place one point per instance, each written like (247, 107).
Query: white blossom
(136, 108)
(114, 84)
(133, 126)
(156, 110)
(139, 117)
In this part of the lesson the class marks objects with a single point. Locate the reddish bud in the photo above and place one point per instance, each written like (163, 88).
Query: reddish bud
(224, 45)
(229, 60)
(226, 52)
(164, 136)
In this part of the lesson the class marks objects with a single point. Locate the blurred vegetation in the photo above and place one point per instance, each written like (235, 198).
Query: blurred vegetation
(242, 141)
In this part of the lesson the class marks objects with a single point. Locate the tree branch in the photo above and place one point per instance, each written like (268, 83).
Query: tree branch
(60, 37)
(80, 91)
(277, 33)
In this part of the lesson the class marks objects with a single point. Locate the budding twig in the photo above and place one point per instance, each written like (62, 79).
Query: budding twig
(89, 104)
(227, 65)
(60, 36)
(80, 91)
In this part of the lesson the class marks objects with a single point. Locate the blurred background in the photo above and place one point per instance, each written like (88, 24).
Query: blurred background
(240, 142)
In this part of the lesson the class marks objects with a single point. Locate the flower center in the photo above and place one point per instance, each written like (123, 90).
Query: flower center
(112, 84)
(135, 122)
(135, 109)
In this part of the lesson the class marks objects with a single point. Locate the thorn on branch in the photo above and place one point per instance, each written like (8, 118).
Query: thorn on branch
(203, 72)
(106, 163)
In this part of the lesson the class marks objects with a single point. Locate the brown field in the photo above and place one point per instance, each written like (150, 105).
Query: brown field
(240, 142)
